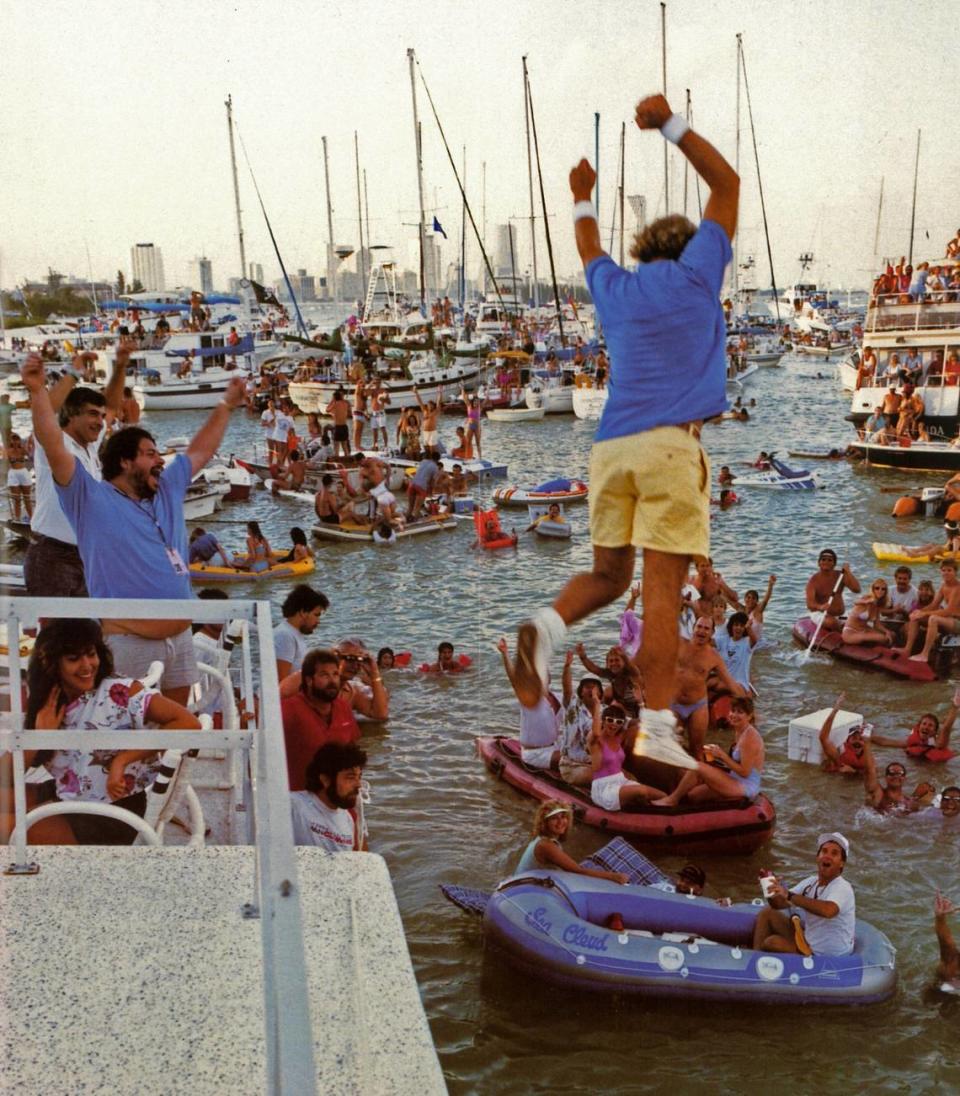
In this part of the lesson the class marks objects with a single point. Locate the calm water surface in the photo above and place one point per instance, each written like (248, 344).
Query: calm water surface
(437, 815)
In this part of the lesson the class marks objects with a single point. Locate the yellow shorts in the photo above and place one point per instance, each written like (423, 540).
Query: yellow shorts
(651, 490)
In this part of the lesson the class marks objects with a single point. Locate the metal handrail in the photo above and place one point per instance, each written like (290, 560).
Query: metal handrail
(288, 1029)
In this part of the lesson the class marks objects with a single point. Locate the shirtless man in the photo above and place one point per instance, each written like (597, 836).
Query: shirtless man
(129, 408)
(339, 410)
(378, 415)
(891, 406)
(891, 796)
(373, 479)
(943, 614)
(711, 584)
(292, 478)
(696, 659)
(359, 414)
(429, 426)
(325, 504)
(825, 589)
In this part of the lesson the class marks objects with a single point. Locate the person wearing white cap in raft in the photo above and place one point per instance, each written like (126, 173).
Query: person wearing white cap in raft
(827, 904)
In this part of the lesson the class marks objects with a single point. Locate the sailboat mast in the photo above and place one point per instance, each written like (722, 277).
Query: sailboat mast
(331, 270)
(484, 220)
(236, 187)
(736, 166)
(913, 207)
(876, 234)
(756, 157)
(663, 52)
(686, 162)
(533, 230)
(546, 222)
(463, 236)
(623, 150)
(362, 265)
(596, 158)
(421, 228)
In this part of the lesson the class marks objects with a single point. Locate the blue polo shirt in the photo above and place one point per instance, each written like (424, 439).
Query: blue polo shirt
(122, 541)
(665, 334)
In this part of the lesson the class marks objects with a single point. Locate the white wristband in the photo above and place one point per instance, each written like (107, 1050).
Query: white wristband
(583, 209)
(675, 128)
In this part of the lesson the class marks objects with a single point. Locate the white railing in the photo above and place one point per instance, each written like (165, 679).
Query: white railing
(886, 315)
(276, 892)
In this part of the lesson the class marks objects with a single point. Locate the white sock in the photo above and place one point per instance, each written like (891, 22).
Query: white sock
(552, 624)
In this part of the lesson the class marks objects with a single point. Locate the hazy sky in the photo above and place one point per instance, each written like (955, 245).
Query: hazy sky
(113, 129)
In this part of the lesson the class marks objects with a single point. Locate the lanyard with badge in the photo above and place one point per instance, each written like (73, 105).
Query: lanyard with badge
(176, 560)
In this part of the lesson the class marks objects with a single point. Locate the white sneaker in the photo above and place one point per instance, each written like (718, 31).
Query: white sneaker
(657, 738)
(536, 639)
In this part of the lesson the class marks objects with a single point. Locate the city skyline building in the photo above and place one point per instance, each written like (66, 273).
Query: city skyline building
(203, 274)
(146, 261)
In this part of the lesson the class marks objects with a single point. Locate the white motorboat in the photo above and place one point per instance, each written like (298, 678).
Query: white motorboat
(551, 394)
(588, 403)
(162, 381)
(426, 372)
(516, 414)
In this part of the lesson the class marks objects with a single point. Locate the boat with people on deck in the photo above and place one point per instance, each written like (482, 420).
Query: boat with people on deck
(299, 955)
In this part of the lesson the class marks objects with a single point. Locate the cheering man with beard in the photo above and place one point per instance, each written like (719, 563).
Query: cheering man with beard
(319, 714)
(130, 528)
(325, 815)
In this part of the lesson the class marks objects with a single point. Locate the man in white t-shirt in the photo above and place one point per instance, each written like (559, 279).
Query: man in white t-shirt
(282, 425)
(903, 596)
(268, 421)
(826, 901)
(53, 567)
(325, 815)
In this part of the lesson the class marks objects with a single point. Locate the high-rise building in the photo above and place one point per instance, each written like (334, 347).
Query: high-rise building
(203, 274)
(256, 272)
(147, 263)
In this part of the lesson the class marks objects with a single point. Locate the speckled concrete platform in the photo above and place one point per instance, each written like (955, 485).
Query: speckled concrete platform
(132, 971)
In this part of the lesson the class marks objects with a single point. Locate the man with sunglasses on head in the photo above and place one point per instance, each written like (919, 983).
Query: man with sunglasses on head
(825, 590)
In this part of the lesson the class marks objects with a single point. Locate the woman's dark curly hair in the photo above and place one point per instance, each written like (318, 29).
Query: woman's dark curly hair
(663, 239)
(59, 638)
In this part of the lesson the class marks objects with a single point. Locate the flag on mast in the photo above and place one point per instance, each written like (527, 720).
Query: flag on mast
(437, 227)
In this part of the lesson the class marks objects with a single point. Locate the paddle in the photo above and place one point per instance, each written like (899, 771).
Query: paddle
(805, 657)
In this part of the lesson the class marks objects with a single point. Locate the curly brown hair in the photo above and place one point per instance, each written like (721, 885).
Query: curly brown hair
(664, 238)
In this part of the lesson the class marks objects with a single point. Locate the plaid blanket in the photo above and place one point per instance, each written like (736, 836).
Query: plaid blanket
(617, 855)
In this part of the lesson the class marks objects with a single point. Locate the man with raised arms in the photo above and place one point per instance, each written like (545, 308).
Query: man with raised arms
(649, 477)
(825, 590)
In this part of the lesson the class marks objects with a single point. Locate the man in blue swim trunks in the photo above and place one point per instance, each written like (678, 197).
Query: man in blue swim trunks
(649, 477)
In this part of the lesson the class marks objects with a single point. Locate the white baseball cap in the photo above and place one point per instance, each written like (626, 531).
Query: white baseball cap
(837, 839)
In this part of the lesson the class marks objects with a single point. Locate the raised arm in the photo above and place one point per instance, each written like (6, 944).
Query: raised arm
(943, 735)
(566, 679)
(724, 183)
(949, 956)
(113, 390)
(871, 784)
(377, 705)
(771, 582)
(46, 429)
(586, 228)
(207, 439)
(507, 664)
(593, 667)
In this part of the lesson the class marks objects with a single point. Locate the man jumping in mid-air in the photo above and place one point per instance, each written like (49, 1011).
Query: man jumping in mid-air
(649, 477)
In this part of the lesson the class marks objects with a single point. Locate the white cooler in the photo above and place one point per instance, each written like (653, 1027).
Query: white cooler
(803, 736)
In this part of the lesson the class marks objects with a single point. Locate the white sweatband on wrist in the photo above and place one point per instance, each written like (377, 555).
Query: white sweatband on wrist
(675, 128)
(583, 209)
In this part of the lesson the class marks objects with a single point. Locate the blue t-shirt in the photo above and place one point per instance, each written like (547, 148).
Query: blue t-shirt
(204, 548)
(124, 552)
(666, 336)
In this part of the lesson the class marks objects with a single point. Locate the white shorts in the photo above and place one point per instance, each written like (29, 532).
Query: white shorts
(537, 757)
(605, 792)
(430, 438)
(18, 477)
(385, 499)
(378, 420)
